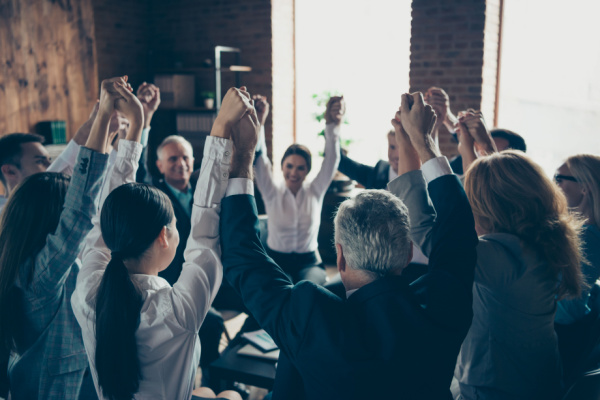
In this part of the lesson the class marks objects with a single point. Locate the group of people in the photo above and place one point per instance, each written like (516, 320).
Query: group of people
(453, 277)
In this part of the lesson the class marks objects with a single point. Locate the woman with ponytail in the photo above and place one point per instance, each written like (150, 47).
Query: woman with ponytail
(42, 230)
(528, 256)
(141, 334)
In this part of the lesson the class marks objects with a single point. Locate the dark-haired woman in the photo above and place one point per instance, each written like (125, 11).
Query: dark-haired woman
(42, 230)
(141, 334)
(294, 206)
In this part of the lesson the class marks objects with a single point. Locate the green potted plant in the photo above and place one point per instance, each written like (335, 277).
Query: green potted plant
(209, 98)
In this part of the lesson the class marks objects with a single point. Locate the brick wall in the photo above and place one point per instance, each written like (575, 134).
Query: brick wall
(454, 45)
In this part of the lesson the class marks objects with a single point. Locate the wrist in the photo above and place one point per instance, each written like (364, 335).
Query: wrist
(147, 118)
(220, 129)
(241, 165)
(428, 150)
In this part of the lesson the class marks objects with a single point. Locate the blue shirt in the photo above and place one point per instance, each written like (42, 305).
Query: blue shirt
(185, 199)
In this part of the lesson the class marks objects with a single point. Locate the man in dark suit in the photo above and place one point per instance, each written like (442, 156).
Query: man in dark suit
(376, 177)
(391, 336)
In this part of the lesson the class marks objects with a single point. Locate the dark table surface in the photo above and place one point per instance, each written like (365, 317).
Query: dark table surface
(233, 367)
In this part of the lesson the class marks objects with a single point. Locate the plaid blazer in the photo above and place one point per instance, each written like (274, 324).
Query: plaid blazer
(51, 359)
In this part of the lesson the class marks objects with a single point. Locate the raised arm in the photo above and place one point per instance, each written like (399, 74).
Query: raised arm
(202, 271)
(114, 95)
(473, 133)
(65, 162)
(262, 164)
(265, 289)
(452, 235)
(334, 114)
(355, 170)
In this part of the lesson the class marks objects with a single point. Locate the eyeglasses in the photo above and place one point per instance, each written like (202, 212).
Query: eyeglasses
(559, 178)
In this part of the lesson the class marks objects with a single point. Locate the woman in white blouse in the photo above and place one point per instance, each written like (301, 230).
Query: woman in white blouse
(294, 206)
(141, 334)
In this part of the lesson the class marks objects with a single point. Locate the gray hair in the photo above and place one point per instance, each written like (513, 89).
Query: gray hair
(173, 139)
(374, 231)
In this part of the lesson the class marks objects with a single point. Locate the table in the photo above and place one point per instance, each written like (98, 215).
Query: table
(231, 367)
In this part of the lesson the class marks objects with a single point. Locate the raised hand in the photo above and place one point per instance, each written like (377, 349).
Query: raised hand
(149, 96)
(131, 108)
(109, 94)
(418, 120)
(440, 101)
(335, 110)
(475, 125)
(262, 108)
(408, 159)
(234, 106)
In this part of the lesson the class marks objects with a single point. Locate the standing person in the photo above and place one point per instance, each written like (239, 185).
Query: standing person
(294, 206)
(391, 338)
(42, 229)
(140, 333)
(528, 257)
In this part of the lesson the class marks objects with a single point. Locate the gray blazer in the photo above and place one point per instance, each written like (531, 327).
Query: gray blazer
(511, 350)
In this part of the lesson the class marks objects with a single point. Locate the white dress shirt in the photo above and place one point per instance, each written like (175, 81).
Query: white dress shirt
(167, 336)
(294, 221)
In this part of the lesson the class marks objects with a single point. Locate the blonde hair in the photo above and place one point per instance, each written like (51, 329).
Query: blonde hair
(509, 193)
(586, 169)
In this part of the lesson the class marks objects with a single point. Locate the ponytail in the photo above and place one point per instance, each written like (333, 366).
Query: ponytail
(132, 217)
(118, 306)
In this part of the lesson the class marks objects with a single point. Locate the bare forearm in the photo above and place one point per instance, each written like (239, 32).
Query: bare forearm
(97, 139)
(241, 166)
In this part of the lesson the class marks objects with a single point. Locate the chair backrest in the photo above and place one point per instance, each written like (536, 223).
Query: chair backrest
(586, 387)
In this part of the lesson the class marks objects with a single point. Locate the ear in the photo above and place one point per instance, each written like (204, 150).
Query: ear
(12, 175)
(341, 260)
(410, 254)
(162, 239)
(8, 170)
(159, 165)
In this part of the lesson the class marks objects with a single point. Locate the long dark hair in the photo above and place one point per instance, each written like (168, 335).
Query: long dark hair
(132, 217)
(30, 215)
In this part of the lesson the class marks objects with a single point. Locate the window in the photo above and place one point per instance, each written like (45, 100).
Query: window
(360, 50)
(550, 77)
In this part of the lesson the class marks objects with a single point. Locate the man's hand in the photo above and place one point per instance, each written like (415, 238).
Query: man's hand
(244, 134)
(131, 108)
(83, 133)
(475, 125)
(408, 158)
(234, 106)
(109, 95)
(335, 110)
(262, 108)
(149, 96)
(440, 101)
(418, 120)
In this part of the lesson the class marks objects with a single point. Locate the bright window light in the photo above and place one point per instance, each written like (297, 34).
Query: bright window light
(550, 77)
(360, 50)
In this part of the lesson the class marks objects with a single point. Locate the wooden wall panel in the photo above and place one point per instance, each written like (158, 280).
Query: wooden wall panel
(48, 66)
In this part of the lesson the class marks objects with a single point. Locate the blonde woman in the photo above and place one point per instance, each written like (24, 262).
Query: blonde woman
(528, 257)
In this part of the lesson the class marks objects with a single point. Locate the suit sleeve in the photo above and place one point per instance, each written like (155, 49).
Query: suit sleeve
(282, 309)
(355, 170)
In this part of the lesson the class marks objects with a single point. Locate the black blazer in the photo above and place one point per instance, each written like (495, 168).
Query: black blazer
(391, 337)
(376, 177)
(184, 226)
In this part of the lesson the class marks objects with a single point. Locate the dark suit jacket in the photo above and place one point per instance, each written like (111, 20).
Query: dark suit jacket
(370, 177)
(391, 337)
(171, 274)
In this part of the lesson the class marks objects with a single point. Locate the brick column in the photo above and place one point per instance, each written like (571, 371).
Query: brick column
(454, 45)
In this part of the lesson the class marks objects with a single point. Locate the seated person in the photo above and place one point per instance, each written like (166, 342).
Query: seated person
(390, 334)
(579, 179)
(139, 332)
(294, 206)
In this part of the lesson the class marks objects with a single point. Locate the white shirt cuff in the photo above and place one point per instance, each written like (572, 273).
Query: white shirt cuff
(435, 168)
(239, 186)
(333, 130)
(145, 136)
(129, 149)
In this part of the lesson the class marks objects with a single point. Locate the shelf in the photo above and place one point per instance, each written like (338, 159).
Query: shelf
(191, 70)
(190, 109)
